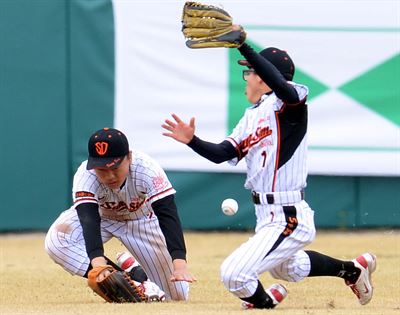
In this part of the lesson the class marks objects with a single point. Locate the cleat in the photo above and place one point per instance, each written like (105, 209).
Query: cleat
(363, 288)
(153, 292)
(277, 293)
(247, 306)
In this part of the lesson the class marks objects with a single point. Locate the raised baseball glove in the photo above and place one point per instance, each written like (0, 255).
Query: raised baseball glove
(207, 26)
(117, 287)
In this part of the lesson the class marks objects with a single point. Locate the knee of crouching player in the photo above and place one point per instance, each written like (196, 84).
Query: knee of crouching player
(295, 269)
(233, 278)
(50, 246)
(180, 291)
(55, 245)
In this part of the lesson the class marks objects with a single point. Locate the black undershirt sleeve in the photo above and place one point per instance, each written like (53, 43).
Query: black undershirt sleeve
(270, 75)
(214, 152)
(167, 213)
(89, 217)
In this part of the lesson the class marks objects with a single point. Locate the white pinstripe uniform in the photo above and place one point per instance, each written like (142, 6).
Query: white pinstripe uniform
(285, 226)
(125, 214)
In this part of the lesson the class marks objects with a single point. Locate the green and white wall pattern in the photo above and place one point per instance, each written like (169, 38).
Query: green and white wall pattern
(69, 67)
(349, 59)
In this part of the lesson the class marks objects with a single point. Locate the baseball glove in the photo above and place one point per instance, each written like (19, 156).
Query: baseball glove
(117, 287)
(207, 26)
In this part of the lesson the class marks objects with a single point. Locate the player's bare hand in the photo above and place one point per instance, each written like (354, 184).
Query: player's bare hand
(103, 275)
(179, 130)
(236, 27)
(181, 273)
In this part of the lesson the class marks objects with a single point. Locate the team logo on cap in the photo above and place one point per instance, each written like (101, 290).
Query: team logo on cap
(101, 148)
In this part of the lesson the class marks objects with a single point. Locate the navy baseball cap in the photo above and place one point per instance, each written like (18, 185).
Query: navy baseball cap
(107, 148)
(279, 58)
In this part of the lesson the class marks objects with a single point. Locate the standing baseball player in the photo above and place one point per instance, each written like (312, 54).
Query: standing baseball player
(126, 195)
(271, 138)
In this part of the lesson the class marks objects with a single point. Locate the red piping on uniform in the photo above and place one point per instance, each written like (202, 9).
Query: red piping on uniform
(237, 148)
(278, 148)
(159, 193)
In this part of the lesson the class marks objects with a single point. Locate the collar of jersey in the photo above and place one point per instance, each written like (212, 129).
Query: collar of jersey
(263, 97)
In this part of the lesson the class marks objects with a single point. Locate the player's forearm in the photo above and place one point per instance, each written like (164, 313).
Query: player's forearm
(167, 213)
(216, 153)
(89, 218)
(181, 272)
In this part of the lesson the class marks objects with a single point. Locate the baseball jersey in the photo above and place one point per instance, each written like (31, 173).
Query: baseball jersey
(271, 136)
(146, 182)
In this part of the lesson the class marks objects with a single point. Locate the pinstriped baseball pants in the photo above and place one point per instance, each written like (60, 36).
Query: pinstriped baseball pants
(143, 238)
(276, 247)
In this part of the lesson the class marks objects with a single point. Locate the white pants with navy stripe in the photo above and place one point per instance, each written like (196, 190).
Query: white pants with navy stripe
(281, 234)
(143, 238)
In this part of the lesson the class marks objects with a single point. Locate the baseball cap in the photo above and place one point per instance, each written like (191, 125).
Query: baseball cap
(279, 58)
(107, 148)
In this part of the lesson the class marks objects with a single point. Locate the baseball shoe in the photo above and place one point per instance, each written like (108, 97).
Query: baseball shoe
(277, 292)
(126, 261)
(153, 292)
(363, 288)
(247, 306)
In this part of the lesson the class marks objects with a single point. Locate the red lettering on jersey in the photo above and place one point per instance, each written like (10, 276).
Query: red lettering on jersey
(254, 138)
(121, 205)
(263, 119)
(115, 206)
(159, 182)
(135, 204)
(81, 194)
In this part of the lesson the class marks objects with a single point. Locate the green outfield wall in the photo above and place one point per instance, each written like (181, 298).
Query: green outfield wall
(56, 87)
(338, 202)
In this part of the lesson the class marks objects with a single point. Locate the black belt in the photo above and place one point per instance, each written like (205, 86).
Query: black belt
(255, 196)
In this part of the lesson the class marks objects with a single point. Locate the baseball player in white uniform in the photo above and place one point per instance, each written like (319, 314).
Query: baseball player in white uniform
(271, 137)
(127, 195)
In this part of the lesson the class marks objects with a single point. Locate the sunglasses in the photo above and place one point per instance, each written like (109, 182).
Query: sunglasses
(246, 73)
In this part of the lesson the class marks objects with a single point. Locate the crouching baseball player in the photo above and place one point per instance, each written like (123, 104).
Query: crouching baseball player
(271, 138)
(127, 195)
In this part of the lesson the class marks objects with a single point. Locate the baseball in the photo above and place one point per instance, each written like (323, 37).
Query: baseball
(229, 206)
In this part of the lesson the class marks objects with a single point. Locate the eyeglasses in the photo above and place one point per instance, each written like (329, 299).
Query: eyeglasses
(246, 73)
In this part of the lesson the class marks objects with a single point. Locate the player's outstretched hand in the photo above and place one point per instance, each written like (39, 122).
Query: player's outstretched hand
(181, 273)
(179, 130)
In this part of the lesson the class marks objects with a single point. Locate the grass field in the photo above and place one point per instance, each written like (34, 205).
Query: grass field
(30, 283)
